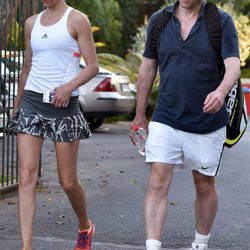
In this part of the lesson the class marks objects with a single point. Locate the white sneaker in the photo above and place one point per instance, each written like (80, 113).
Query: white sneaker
(198, 247)
(153, 248)
(152, 244)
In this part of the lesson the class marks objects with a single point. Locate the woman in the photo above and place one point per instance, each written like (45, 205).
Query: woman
(47, 108)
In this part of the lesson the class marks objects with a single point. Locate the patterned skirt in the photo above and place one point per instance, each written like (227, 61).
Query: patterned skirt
(41, 119)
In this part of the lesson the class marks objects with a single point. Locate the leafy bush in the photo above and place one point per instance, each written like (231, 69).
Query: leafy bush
(105, 15)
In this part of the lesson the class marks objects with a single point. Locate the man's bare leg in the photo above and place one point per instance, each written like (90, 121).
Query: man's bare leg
(155, 205)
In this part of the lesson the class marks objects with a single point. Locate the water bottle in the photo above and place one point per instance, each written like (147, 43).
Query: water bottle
(138, 137)
(73, 68)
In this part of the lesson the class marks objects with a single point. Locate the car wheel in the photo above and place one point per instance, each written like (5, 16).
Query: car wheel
(95, 123)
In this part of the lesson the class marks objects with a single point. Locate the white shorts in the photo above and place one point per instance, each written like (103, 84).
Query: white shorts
(200, 152)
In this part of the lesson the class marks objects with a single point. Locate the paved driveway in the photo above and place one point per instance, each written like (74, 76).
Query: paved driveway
(115, 177)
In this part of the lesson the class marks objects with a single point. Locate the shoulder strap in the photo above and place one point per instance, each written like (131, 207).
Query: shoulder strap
(161, 22)
(212, 20)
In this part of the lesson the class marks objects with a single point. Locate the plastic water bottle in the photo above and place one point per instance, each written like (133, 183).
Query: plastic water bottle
(73, 68)
(138, 137)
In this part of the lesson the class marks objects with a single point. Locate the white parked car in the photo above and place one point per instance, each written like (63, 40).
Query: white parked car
(107, 94)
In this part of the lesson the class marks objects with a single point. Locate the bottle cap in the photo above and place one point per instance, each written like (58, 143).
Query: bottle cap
(135, 127)
(76, 54)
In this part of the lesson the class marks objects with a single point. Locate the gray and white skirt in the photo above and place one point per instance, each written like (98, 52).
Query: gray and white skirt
(41, 119)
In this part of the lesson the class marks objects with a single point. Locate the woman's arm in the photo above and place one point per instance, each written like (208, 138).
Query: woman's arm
(80, 28)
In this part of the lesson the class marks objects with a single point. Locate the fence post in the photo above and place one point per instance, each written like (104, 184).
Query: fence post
(13, 14)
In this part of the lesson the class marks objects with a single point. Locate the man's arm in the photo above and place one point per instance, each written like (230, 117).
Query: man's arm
(232, 74)
(230, 54)
(146, 76)
(215, 100)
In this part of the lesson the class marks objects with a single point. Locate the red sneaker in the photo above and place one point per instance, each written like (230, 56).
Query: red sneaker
(85, 238)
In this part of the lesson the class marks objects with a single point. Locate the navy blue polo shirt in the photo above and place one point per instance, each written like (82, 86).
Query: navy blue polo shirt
(189, 72)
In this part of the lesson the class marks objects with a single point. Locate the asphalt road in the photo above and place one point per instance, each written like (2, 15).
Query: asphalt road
(115, 178)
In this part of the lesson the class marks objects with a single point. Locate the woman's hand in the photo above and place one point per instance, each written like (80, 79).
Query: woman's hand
(62, 96)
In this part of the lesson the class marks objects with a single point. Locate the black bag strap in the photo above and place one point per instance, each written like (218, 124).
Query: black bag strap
(213, 23)
(212, 20)
(161, 22)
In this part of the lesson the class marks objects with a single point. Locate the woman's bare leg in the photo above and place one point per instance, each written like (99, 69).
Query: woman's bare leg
(67, 154)
(29, 149)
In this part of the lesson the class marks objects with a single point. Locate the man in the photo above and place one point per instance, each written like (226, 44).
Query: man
(188, 125)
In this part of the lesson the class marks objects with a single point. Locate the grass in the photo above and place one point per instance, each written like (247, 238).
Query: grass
(5, 179)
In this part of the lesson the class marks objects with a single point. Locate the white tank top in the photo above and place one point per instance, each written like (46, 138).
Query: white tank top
(53, 50)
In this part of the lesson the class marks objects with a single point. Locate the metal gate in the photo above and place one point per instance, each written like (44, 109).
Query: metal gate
(13, 14)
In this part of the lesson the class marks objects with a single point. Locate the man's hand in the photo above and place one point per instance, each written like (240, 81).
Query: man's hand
(214, 101)
(141, 121)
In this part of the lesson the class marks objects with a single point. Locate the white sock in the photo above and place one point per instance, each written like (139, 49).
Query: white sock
(153, 244)
(201, 238)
